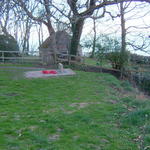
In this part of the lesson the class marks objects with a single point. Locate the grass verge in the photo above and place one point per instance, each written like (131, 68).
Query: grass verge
(89, 111)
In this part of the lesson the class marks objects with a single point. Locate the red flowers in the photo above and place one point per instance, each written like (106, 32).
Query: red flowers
(49, 72)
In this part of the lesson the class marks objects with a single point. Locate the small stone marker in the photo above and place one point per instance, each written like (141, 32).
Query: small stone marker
(60, 67)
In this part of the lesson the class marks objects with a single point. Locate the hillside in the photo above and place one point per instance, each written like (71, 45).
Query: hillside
(89, 111)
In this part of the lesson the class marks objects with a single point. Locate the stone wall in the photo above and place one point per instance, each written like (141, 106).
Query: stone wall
(47, 56)
(89, 68)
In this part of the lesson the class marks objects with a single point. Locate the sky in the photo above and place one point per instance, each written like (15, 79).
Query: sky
(112, 27)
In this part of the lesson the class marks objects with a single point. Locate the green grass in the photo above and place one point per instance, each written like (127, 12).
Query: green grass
(89, 111)
(94, 62)
(90, 61)
(18, 65)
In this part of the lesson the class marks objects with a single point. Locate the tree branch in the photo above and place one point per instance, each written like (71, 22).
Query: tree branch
(22, 5)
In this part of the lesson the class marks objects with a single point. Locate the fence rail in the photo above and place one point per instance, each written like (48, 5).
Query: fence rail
(12, 56)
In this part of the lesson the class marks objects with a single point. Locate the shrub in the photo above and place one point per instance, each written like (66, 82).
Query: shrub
(139, 59)
(8, 43)
(143, 82)
(117, 59)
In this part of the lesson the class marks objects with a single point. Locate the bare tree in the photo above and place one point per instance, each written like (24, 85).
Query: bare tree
(123, 38)
(79, 11)
(25, 46)
(139, 31)
(44, 16)
(11, 24)
(5, 15)
(94, 38)
(124, 10)
(82, 11)
(40, 33)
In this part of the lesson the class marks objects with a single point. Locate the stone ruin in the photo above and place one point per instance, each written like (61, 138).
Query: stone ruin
(63, 40)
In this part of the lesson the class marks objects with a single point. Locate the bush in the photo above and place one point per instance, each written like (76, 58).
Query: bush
(142, 82)
(8, 43)
(138, 59)
(117, 59)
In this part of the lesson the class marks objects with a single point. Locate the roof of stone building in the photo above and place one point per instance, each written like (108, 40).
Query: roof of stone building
(63, 40)
(62, 37)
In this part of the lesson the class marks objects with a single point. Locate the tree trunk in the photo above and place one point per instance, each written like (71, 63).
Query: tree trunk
(94, 39)
(40, 34)
(123, 30)
(52, 35)
(26, 38)
(123, 39)
(77, 31)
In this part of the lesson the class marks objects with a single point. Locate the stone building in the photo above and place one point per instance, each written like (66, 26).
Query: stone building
(63, 40)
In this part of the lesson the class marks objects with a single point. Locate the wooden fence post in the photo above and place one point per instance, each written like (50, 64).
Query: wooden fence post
(55, 57)
(3, 57)
(22, 56)
(69, 58)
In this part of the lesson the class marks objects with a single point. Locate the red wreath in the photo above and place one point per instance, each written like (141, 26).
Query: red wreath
(49, 72)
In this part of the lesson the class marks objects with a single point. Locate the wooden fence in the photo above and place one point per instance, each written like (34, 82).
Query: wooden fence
(17, 56)
(32, 57)
(69, 58)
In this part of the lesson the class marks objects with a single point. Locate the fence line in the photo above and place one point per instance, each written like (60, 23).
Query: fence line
(22, 56)
(17, 55)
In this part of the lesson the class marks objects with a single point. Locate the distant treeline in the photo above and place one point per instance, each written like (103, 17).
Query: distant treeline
(139, 59)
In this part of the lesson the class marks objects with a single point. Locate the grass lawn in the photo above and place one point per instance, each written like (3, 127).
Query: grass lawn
(94, 62)
(89, 111)
(18, 65)
(90, 61)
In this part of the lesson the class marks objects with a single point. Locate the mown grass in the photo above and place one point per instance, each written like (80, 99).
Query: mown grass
(94, 62)
(89, 111)
(18, 64)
